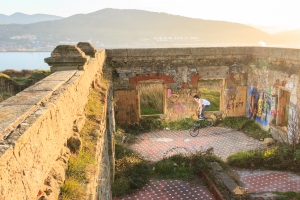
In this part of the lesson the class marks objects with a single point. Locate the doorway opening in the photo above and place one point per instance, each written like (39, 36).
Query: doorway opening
(151, 98)
(211, 91)
(283, 108)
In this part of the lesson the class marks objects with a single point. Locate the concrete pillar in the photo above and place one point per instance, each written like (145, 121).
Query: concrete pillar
(67, 57)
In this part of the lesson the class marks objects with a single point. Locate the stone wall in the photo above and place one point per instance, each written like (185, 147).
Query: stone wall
(180, 71)
(36, 123)
(251, 80)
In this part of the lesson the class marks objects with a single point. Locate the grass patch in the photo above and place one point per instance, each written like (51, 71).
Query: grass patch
(132, 172)
(80, 165)
(155, 123)
(183, 124)
(288, 195)
(175, 167)
(210, 90)
(213, 96)
(281, 157)
(72, 189)
(151, 98)
(246, 125)
(83, 163)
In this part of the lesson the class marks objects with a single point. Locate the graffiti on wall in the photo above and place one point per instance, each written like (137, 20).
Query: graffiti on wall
(285, 82)
(178, 99)
(262, 106)
(235, 101)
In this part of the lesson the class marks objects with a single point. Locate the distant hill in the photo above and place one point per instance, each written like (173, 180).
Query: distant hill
(133, 28)
(292, 35)
(21, 18)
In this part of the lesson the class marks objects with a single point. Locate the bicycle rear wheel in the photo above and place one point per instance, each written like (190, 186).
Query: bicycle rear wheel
(194, 130)
(208, 122)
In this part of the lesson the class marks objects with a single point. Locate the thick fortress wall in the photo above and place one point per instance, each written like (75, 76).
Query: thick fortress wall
(36, 123)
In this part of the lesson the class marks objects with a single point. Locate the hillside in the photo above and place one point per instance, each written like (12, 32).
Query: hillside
(21, 18)
(133, 28)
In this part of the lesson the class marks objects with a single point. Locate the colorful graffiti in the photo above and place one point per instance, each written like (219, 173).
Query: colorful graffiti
(178, 99)
(261, 106)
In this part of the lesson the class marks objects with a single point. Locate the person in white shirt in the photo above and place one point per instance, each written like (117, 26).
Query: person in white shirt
(203, 105)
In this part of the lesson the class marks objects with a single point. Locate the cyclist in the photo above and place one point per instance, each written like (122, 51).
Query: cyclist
(203, 105)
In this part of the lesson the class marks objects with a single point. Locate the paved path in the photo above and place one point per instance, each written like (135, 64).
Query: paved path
(170, 189)
(156, 145)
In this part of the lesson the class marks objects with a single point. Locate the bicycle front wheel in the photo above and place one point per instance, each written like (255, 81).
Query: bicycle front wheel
(208, 122)
(194, 130)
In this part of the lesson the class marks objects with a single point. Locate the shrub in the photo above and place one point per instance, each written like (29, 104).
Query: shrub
(246, 125)
(72, 189)
(281, 157)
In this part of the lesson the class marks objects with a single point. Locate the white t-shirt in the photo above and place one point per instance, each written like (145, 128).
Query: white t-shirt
(205, 102)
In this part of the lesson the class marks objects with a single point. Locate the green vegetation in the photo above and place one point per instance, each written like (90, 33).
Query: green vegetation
(288, 195)
(183, 124)
(81, 164)
(210, 90)
(133, 172)
(155, 123)
(151, 98)
(213, 97)
(19, 80)
(280, 157)
(245, 125)
(31, 78)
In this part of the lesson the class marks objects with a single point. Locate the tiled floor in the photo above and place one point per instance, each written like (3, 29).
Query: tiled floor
(170, 189)
(156, 145)
(266, 181)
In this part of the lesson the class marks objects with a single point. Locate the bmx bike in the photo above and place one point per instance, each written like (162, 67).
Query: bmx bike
(197, 125)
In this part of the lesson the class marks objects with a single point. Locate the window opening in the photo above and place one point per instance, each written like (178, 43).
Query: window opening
(151, 98)
(211, 90)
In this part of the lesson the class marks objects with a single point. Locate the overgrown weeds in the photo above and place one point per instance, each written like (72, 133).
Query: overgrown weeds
(183, 124)
(288, 195)
(280, 157)
(16, 81)
(151, 98)
(155, 123)
(83, 163)
(246, 125)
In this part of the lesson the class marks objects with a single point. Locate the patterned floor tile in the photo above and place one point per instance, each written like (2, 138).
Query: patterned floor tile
(154, 146)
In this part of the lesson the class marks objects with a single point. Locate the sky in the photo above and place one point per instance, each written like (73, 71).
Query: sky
(256, 12)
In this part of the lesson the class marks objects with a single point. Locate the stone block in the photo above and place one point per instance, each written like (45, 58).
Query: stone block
(116, 52)
(13, 115)
(230, 184)
(67, 51)
(67, 57)
(216, 166)
(60, 76)
(44, 86)
(87, 48)
(28, 98)
(269, 141)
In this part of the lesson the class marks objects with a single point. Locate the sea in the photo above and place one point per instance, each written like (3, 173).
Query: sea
(24, 60)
